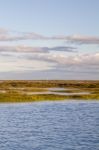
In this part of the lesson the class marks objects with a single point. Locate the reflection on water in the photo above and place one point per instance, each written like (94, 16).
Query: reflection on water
(49, 126)
(58, 91)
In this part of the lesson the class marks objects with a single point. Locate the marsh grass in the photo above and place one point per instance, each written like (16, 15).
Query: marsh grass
(16, 91)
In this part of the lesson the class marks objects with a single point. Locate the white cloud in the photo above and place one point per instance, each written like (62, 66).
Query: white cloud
(51, 61)
(78, 59)
(90, 61)
(22, 48)
(79, 39)
(31, 49)
(24, 65)
(6, 35)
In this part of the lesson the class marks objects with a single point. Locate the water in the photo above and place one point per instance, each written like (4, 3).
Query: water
(57, 91)
(50, 126)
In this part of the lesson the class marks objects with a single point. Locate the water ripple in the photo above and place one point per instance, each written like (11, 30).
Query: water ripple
(49, 126)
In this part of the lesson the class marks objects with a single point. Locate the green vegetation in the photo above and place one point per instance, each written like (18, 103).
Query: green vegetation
(18, 91)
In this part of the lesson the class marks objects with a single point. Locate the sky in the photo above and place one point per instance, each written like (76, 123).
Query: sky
(49, 39)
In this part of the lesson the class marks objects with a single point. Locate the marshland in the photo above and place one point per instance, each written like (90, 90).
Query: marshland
(44, 90)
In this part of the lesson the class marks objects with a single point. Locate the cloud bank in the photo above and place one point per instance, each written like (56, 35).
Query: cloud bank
(31, 49)
(6, 35)
(56, 59)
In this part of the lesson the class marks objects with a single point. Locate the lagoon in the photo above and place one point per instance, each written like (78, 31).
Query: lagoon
(65, 125)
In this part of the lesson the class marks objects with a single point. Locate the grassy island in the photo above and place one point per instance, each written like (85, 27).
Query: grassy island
(40, 90)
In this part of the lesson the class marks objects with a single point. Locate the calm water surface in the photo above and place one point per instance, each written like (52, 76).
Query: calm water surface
(50, 126)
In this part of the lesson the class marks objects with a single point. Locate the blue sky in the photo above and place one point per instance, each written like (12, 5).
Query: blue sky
(49, 39)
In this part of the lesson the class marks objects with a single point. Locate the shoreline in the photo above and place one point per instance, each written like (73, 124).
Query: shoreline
(51, 101)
